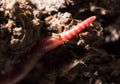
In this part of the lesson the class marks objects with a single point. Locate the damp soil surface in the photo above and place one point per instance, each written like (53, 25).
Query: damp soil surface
(92, 57)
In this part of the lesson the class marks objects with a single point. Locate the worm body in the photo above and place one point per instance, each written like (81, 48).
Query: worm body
(52, 42)
(47, 44)
(74, 31)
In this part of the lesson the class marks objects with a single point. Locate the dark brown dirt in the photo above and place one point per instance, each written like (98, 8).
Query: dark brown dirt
(92, 57)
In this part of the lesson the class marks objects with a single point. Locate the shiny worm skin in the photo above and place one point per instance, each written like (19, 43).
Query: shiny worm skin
(50, 43)
(46, 45)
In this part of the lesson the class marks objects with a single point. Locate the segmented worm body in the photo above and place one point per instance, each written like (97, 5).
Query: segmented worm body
(52, 42)
(46, 45)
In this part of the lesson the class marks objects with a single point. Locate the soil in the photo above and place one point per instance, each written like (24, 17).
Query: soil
(92, 57)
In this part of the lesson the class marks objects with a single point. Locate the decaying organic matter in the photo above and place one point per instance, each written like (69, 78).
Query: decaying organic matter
(19, 30)
(91, 57)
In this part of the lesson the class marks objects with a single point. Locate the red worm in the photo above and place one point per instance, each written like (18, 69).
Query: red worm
(43, 46)
(53, 42)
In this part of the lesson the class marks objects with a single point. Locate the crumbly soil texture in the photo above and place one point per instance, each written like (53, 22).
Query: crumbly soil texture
(91, 57)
